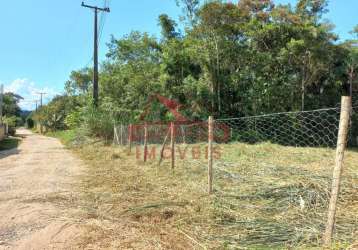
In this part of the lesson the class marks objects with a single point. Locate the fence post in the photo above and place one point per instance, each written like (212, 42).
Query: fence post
(182, 128)
(163, 146)
(210, 153)
(117, 135)
(122, 143)
(145, 141)
(130, 135)
(172, 143)
(346, 105)
(115, 138)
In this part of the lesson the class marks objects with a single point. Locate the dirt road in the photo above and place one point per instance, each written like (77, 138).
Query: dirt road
(36, 181)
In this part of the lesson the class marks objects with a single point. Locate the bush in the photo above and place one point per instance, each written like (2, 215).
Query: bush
(73, 119)
(52, 116)
(98, 121)
(11, 122)
(30, 123)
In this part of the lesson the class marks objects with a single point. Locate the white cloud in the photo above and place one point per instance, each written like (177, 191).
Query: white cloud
(29, 91)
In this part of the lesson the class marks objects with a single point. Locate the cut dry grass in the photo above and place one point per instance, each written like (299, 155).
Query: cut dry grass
(266, 197)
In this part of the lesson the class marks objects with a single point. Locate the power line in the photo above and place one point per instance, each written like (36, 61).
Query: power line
(102, 22)
(89, 62)
(95, 50)
(41, 94)
(36, 102)
(103, 19)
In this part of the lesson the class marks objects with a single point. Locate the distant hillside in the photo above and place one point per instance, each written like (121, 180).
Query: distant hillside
(25, 113)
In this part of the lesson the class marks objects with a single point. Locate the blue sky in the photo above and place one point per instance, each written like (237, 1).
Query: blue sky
(43, 40)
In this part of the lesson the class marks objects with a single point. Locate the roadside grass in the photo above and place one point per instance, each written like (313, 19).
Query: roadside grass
(9, 143)
(257, 203)
(65, 136)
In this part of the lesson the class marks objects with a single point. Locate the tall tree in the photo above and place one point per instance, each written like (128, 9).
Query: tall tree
(168, 27)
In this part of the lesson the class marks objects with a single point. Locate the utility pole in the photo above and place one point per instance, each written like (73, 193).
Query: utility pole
(41, 94)
(95, 50)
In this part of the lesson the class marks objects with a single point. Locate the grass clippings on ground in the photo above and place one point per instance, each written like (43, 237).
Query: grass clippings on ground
(266, 196)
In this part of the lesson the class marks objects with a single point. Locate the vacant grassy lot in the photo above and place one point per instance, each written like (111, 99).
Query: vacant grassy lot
(266, 197)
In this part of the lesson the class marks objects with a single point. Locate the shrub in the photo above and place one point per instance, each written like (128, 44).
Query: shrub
(98, 121)
(30, 123)
(11, 121)
(73, 119)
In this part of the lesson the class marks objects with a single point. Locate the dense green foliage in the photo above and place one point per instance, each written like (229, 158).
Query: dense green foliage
(10, 104)
(53, 115)
(231, 60)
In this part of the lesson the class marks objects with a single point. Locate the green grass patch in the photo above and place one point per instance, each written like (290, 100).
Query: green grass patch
(9, 143)
(65, 136)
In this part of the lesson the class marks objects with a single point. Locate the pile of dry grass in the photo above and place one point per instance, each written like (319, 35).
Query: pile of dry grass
(266, 196)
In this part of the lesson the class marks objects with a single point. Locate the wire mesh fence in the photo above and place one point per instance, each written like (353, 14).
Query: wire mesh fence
(279, 167)
(272, 174)
(318, 128)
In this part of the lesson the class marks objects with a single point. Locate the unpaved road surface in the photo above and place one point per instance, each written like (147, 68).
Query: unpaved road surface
(36, 186)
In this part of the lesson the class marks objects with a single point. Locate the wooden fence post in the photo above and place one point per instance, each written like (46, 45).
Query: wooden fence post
(172, 143)
(163, 146)
(145, 141)
(182, 128)
(115, 136)
(346, 105)
(130, 135)
(210, 153)
(122, 143)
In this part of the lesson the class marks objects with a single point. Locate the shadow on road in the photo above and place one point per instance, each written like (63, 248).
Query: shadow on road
(7, 153)
(9, 146)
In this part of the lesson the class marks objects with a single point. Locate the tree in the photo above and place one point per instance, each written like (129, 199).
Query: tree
(311, 9)
(241, 59)
(352, 60)
(11, 104)
(131, 74)
(168, 27)
(80, 81)
(53, 115)
(190, 9)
